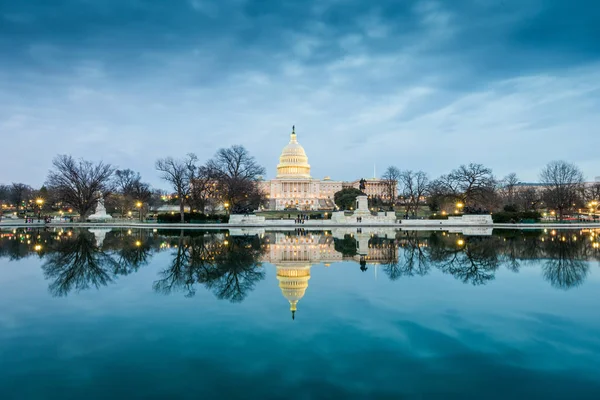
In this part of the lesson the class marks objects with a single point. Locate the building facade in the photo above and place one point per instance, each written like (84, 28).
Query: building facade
(294, 187)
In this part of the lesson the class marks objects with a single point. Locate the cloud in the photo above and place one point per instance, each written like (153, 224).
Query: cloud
(418, 84)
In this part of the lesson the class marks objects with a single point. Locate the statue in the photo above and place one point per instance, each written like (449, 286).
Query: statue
(294, 129)
(100, 214)
(362, 184)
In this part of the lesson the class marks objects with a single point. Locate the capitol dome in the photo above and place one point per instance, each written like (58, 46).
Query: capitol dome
(293, 282)
(293, 162)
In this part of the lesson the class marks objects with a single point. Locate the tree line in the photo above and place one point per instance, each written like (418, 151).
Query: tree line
(229, 180)
(474, 188)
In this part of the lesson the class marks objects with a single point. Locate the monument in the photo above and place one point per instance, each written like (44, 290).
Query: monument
(100, 214)
(294, 189)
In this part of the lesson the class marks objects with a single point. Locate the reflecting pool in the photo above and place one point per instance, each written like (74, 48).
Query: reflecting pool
(301, 314)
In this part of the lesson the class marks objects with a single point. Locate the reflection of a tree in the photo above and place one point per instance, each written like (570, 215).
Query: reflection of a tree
(229, 269)
(346, 246)
(237, 269)
(77, 264)
(181, 274)
(130, 251)
(565, 267)
(131, 256)
(20, 247)
(518, 247)
(475, 263)
(411, 258)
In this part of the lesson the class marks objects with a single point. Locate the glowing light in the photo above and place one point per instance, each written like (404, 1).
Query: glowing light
(460, 242)
(38, 247)
(138, 243)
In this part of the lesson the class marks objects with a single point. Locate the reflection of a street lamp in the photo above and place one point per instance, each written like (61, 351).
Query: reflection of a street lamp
(38, 247)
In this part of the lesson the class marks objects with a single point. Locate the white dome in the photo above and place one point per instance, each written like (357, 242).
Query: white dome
(293, 162)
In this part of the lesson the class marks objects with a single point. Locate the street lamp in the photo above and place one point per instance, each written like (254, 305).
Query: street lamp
(226, 205)
(39, 202)
(139, 206)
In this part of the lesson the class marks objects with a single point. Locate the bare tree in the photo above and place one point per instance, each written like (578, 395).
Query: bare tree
(4, 197)
(528, 199)
(592, 196)
(236, 173)
(79, 183)
(509, 184)
(563, 183)
(131, 192)
(204, 188)
(178, 173)
(473, 184)
(20, 193)
(125, 179)
(391, 177)
(441, 192)
(414, 186)
(4, 193)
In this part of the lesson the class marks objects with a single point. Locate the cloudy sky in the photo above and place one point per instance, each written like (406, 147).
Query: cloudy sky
(418, 84)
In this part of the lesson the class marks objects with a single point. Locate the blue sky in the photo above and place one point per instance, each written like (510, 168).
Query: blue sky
(418, 84)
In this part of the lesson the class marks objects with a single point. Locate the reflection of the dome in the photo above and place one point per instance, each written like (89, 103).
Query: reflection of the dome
(294, 255)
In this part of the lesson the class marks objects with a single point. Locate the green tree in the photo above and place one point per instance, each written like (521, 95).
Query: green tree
(346, 198)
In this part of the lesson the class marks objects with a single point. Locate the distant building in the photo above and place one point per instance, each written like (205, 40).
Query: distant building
(294, 188)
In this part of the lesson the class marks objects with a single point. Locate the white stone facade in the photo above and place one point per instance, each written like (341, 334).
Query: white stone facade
(294, 188)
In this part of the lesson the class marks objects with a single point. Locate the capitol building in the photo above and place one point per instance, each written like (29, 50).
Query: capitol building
(294, 187)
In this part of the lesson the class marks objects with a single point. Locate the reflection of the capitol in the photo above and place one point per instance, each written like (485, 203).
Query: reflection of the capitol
(293, 255)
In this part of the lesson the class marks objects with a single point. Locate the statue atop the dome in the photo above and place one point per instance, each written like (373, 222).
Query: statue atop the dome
(294, 129)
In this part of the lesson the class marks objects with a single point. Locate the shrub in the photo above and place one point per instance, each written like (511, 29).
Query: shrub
(505, 217)
(195, 218)
(440, 216)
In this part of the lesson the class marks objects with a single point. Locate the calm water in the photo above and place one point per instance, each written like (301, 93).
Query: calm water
(338, 314)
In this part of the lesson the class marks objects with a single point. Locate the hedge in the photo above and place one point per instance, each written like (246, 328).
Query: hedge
(505, 217)
(440, 216)
(194, 218)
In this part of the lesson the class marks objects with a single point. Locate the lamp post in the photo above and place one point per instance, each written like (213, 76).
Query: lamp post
(226, 205)
(459, 206)
(139, 207)
(39, 203)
